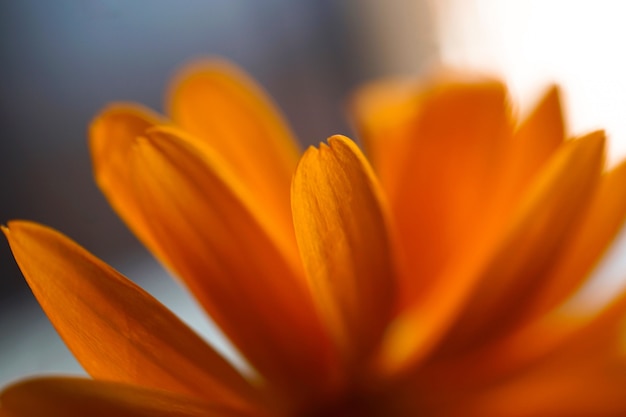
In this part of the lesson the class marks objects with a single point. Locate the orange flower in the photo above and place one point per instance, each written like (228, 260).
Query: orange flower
(437, 282)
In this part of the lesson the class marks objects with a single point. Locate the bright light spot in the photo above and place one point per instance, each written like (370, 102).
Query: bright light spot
(531, 43)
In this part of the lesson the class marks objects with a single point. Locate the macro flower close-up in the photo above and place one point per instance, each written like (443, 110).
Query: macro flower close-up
(436, 272)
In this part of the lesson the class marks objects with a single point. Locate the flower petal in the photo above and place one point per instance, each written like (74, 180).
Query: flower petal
(218, 103)
(458, 135)
(561, 352)
(345, 245)
(114, 329)
(389, 116)
(208, 229)
(583, 378)
(65, 397)
(491, 282)
(536, 140)
(574, 334)
(532, 145)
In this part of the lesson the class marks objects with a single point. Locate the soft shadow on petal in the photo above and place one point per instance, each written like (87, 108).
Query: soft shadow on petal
(219, 104)
(342, 233)
(209, 230)
(115, 329)
(64, 397)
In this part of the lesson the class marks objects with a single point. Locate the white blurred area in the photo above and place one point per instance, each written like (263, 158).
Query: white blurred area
(578, 44)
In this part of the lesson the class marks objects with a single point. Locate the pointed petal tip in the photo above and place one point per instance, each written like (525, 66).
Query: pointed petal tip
(553, 91)
(11, 226)
(594, 142)
(552, 100)
(16, 230)
(18, 227)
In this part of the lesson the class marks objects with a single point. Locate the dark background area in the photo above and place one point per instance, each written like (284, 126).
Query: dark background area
(61, 61)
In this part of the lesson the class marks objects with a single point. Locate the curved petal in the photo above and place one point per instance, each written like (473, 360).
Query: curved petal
(65, 397)
(218, 103)
(345, 245)
(493, 281)
(114, 329)
(112, 134)
(210, 232)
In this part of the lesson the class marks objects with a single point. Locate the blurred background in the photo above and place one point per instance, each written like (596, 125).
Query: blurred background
(62, 61)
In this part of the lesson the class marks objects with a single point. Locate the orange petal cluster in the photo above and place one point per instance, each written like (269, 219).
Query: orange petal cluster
(435, 277)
